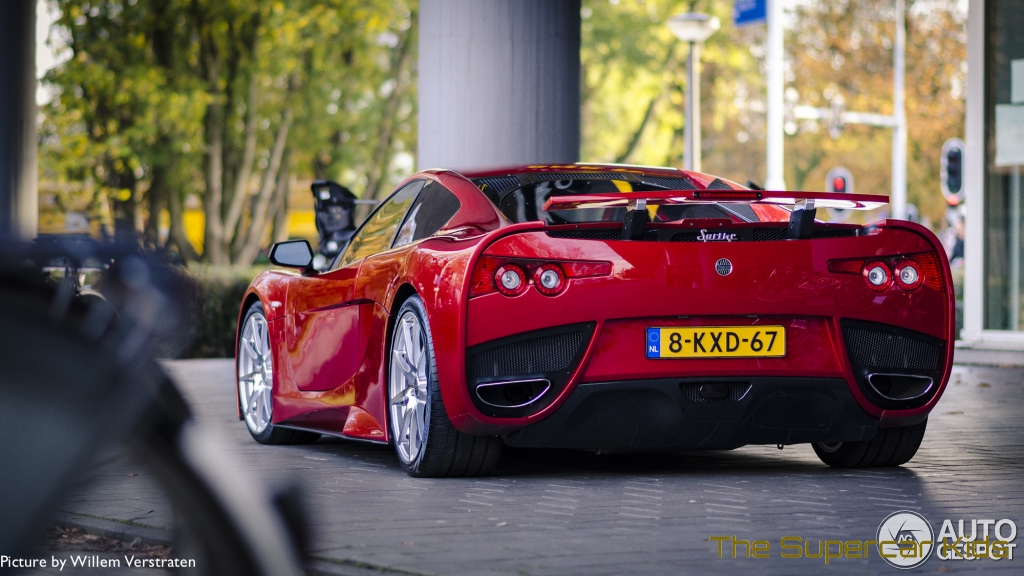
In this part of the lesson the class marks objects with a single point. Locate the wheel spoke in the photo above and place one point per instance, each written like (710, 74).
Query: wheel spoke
(414, 433)
(398, 398)
(251, 349)
(249, 377)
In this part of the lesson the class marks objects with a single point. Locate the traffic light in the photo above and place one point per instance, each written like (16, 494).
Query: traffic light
(839, 180)
(952, 175)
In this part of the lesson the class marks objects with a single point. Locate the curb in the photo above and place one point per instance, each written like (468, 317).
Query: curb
(114, 529)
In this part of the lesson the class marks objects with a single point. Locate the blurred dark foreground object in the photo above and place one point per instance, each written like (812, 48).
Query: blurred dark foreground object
(79, 376)
(333, 205)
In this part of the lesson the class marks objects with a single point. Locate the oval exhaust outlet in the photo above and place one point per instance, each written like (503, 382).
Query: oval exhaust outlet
(900, 386)
(513, 393)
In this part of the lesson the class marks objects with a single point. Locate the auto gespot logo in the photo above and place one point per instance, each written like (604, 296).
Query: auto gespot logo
(903, 540)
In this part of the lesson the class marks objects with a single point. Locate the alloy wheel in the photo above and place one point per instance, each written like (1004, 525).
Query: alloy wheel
(407, 386)
(255, 373)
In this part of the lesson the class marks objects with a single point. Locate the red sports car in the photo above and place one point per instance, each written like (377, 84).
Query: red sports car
(604, 308)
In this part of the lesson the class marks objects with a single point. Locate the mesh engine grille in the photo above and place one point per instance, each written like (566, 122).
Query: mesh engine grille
(577, 176)
(833, 232)
(599, 234)
(883, 350)
(670, 183)
(499, 183)
(736, 391)
(536, 355)
(769, 234)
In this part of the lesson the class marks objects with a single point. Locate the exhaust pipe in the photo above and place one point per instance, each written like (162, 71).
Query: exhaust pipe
(900, 386)
(512, 394)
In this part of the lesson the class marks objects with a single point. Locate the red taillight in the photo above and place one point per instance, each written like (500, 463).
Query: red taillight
(877, 274)
(510, 279)
(549, 279)
(931, 270)
(907, 274)
(925, 265)
(489, 270)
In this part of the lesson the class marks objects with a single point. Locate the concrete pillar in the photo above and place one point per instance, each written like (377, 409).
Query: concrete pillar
(499, 82)
(19, 196)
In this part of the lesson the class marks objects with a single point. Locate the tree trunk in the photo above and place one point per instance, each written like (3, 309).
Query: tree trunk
(280, 207)
(240, 193)
(177, 235)
(154, 201)
(668, 64)
(257, 227)
(246, 246)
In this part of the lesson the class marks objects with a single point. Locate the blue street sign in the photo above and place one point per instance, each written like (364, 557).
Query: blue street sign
(750, 12)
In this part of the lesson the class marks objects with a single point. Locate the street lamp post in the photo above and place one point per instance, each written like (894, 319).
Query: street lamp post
(694, 29)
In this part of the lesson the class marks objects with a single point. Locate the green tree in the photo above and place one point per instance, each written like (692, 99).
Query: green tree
(227, 99)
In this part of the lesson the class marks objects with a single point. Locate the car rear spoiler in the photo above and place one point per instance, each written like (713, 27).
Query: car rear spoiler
(803, 205)
(676, 197)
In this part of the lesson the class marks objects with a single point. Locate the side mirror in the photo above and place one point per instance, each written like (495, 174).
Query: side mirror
(292, 254)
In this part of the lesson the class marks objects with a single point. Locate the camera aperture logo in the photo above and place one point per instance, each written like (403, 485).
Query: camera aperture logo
(905, 539)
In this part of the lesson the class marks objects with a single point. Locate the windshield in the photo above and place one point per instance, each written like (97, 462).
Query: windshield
(524, 204)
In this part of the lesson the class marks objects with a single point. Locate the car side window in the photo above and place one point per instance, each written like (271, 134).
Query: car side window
(433, 208)
(378, 232)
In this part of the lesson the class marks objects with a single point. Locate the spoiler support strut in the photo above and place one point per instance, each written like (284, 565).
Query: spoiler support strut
(635, 222)
(801, 220)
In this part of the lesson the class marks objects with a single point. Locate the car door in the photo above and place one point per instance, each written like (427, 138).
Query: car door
(326, 326)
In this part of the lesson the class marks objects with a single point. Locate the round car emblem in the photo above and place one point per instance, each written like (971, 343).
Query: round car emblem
(723, 267)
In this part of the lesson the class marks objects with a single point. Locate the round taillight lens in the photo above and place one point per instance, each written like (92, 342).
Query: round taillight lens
(510, 280)
(877, 275)
(549, 279)
(908, 275)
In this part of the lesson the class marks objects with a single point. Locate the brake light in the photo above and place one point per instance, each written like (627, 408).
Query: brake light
(510, 280)
(878, 275)
(549, 279)
(499, 274)
(908, 272)
(728, 195)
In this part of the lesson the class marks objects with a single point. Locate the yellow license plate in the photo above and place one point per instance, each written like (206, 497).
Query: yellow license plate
(717, 342)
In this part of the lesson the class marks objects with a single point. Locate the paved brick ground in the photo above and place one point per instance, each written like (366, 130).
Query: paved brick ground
(555, 512)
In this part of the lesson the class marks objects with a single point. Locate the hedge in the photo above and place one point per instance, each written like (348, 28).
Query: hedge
(217, 297)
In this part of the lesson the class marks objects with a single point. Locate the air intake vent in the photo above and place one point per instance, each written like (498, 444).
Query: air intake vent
(900, 356)
(499, 184)
(881, 350)
(669, 183)
(547, 176)
(550, 355)
(528, 356)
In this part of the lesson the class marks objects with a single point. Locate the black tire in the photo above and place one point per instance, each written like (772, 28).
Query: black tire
(444, 450)
(889, 447)
(272, 434)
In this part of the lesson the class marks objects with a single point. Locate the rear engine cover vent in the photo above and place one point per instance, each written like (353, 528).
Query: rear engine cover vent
(669, 183)
(498, 184)
(599, 234)
(548, 176)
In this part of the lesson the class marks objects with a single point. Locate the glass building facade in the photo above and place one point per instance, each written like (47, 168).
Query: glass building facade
(1003, 161)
